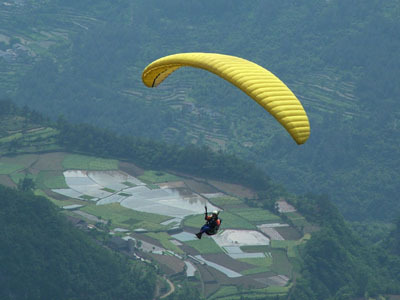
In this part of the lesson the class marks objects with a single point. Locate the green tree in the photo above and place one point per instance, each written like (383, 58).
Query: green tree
(26, 184)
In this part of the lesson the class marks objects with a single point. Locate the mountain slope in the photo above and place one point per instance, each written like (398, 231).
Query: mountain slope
(44, 257)
(338, 56)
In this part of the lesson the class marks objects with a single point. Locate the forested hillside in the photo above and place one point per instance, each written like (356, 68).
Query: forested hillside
(338, 56)
(44, 257)
(338, 264)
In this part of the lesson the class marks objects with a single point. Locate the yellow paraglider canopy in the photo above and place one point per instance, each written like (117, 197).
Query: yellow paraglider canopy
(258, 83)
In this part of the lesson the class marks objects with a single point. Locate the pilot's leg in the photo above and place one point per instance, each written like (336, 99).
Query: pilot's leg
(202, 230)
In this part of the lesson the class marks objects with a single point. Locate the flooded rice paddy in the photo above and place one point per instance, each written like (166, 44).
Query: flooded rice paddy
(228, 272)
(105, 187)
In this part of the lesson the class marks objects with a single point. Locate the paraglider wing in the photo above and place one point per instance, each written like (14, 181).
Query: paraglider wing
(258, 83)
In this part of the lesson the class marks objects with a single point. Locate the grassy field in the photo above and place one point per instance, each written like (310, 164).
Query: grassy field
(294, 215)
(51, 180)
(232, 292)
(59, 203)
(243, 295)
(261, 265)
(164, 239)
(255, 248)
(228, 221)
(280, 262)
(257, 215)
(226, 201)
(273, 290)
(287, 245)
(225, 291)
(125, 217)
(83, 162)
(8, 168)
(277, 289)
(205, 246)
(157, 177)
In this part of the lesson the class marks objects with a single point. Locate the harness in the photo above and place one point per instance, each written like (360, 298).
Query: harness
(212, 223)
(214, 226)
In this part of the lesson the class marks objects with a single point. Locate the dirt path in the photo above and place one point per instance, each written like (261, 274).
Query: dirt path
(171, 288)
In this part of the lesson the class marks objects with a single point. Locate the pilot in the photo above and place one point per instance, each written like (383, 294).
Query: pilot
(212, 225)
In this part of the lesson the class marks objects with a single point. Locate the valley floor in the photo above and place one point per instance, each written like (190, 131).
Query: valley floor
(153, 215)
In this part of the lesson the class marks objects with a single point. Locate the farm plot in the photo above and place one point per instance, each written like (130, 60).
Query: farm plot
(225, 291)
(80, 182)
(9, 165)
(233, 189)
(224, 260)
(233, 241)
(20, 175)
(114, 198)
(50, 161)
(272, 233)
(7, 168)
(199, 187)
(97, 184)
(261, 264)
(51, 180)
(288, 233)
(26, 160)
(204, 246)
(289, 246)
(69, 193)
(10, 138)
(240, 238)
(107, 187)
(35, 139)
(59, 203)
(83, 162)
(169, 264)
(126, 218)
(184, 236)
(222, 200)
(165, 241)
(165, 202)
(238, 253)
(157, 177)
(6, 180)
(298, 220)
(280, 262)
(114, 180)
(228, 272)
(257, 215)
(231, 292)
(130, 168)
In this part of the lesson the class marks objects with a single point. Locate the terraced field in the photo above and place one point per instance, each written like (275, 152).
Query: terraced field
(321, 94)
(327, 93)
(37, 38)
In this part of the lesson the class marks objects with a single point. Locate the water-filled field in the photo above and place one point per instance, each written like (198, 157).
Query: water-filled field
(106, 187)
